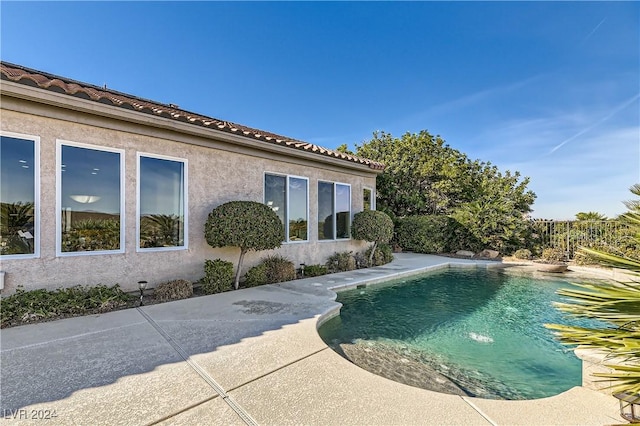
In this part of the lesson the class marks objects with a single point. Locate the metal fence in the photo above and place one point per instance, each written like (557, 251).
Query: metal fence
(568, 236)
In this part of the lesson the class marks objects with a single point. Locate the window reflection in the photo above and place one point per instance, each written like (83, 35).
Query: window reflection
(343, 211)
(366, 199)
(90, 199)
(334, 211)
(325, 211)
(275, 196)
(298, 209)
(288, 198)
(162, 203)
(17, 196)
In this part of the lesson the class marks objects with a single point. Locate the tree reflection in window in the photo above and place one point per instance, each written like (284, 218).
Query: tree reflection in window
(334, 211)
(90, 197)
(288, 198)
(162, 202)
(17, 196)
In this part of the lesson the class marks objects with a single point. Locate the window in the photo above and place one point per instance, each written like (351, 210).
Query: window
(368, 199)
(19, 196)
(90, 199)
(162, 197)
(288, 198)
(334, 211)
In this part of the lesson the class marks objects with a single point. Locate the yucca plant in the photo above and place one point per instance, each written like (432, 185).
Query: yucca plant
(615, 305)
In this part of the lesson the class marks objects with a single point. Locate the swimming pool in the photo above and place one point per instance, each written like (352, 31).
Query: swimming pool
(482, 329)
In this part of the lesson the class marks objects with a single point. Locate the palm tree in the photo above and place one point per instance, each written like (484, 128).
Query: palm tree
(617, 305)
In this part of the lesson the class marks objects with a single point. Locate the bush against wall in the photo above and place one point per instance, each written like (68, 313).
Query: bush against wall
(218, 276)
(248, 225)
(272, 269)
(315, 270)
(341, 262)
(173, 290)
(433, 234)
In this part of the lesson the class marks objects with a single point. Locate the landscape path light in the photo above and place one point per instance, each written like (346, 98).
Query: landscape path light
(142, 285)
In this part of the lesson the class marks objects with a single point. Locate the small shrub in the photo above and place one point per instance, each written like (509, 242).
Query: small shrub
(173, 290)
(272, 269)
(524, 254)
(315, 270)
(362, 260)
(218, 276)
(552, 255)
(255, 276)
(279, 269)
(341, 262)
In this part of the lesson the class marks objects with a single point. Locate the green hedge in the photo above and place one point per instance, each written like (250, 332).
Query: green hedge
(433, 234)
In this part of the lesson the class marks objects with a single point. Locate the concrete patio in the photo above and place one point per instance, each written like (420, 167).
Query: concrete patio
(245, 357)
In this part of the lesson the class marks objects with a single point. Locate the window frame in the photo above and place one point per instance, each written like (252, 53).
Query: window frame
(36, 196)
(59, 144)
(185, 201)
(334, 213)
(288, 203)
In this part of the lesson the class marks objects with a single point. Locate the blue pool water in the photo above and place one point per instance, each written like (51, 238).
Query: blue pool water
(483, 329)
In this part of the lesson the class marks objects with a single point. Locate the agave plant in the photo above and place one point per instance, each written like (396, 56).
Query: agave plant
(615, 305)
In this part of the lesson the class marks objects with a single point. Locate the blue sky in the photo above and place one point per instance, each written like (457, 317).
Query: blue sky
(550, 89)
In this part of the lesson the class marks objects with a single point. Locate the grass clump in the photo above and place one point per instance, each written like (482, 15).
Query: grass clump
(272, 269)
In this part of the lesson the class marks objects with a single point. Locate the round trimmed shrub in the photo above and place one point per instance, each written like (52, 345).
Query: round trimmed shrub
(248, 225)
(373, 226)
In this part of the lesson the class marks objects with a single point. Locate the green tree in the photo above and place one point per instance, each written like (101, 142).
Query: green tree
(248, 225)
(496, 213)
(618, 306)
(424, 176)
(344, 149)
(373, 226)
(590, 216)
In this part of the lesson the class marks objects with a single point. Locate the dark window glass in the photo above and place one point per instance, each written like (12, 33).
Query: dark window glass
(162, 203)
(17, 196)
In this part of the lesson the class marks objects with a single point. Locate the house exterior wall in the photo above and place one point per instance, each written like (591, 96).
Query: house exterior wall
(217, 172)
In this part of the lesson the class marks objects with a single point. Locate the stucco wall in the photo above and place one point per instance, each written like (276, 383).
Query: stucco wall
(215, 176)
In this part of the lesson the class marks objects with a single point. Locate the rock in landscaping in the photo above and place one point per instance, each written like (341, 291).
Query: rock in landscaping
(488, 254)
(465, 253)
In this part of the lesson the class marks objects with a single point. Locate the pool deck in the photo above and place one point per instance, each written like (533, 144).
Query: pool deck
(244, 357)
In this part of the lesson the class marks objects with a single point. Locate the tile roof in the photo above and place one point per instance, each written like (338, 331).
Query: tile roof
(43, 80)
